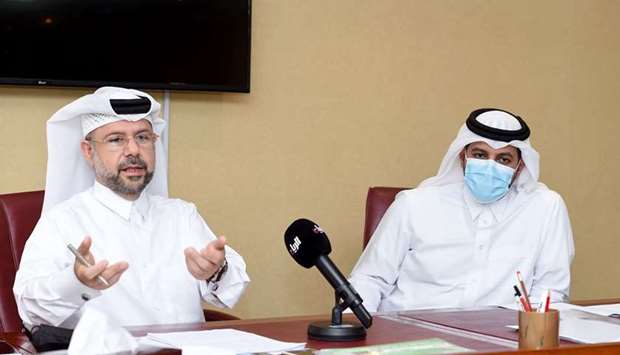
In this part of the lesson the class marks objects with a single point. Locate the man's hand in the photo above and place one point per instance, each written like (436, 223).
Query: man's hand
(202, 265)
(88, 274)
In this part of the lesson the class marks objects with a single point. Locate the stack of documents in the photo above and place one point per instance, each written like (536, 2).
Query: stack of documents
(227, 340)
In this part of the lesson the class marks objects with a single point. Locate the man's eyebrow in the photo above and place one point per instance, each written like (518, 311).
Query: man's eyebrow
(126, 133)
(114, 132)
(503, 154)
(478, 149)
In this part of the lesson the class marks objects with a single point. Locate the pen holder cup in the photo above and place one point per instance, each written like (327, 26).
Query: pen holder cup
(539, 330)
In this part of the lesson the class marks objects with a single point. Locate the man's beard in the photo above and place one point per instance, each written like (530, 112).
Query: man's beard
(115, 182)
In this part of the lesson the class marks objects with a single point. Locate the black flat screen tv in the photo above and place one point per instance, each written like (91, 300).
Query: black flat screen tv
(148, 44)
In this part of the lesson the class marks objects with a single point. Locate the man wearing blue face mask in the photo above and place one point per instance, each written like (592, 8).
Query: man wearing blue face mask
(458, 239)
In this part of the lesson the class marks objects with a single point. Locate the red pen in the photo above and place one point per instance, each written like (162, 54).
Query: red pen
(548, 301)
(527, 298)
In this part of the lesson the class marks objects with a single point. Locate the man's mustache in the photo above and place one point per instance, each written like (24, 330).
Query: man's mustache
(134, 162)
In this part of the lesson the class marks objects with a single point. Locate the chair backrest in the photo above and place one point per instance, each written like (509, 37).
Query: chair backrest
(378, 200)
(19, 213)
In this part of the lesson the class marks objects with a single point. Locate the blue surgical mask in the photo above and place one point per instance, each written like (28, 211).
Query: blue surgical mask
(487, 180)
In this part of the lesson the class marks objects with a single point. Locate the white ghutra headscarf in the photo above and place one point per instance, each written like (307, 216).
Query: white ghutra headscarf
(67, 170)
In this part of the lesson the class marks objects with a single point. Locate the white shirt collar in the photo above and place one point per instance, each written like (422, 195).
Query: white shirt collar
(497, 208)
(119, 205)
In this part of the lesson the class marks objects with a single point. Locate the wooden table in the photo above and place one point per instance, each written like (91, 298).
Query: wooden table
(479, 329)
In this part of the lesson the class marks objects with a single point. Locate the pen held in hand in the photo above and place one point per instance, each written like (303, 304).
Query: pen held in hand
(85, 262)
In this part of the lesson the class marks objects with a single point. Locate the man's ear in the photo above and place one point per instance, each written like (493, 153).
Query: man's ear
(519, 168)
(517, 172)
(87, 151)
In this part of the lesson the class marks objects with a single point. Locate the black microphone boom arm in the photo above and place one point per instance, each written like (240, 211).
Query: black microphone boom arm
(344, 292)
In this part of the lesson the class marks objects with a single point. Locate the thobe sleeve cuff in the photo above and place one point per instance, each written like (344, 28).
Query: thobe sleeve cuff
(226, 292)
(71, 290)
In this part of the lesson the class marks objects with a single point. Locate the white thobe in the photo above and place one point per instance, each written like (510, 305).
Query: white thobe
(150, 234)
(437, 247)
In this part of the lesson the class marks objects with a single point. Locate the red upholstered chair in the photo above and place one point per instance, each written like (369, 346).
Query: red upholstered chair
(378, 200)
(19, 213)
(213, 315)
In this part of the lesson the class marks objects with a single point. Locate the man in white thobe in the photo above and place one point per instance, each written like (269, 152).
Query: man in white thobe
(153, 259)
(458, 239)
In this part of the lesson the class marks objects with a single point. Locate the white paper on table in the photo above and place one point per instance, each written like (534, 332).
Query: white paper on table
(226, 339)
(604, 309)
(584, 327)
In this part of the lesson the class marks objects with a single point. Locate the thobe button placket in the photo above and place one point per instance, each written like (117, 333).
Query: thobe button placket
(480, 242)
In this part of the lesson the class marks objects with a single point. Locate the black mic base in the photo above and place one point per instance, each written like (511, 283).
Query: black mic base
(326, 331)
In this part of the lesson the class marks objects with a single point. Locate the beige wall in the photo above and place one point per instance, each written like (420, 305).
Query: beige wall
(352, 93)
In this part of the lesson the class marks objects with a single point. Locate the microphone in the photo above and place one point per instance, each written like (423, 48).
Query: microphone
(307, 243)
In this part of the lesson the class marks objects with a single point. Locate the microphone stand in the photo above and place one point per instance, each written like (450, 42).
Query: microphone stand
(336, 330)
